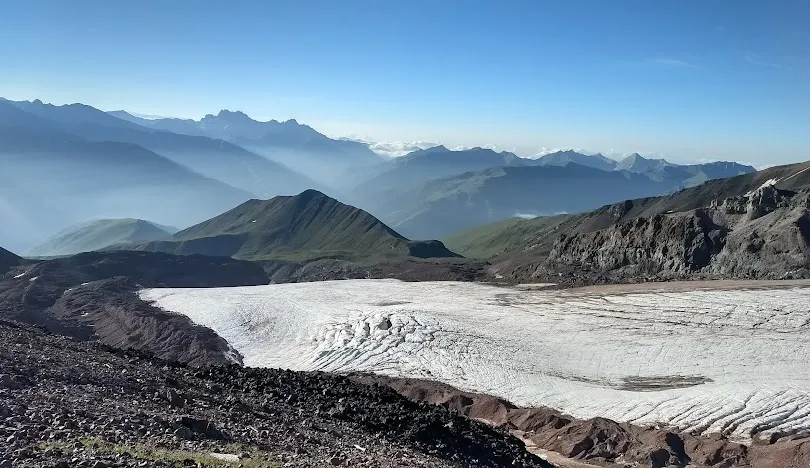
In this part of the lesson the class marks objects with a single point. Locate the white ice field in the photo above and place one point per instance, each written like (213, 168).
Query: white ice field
(706, 360)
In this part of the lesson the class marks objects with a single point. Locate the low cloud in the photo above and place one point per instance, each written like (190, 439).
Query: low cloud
(762, 63)
(395, 149)
(465, 148)
(671, 63)
(537, 215)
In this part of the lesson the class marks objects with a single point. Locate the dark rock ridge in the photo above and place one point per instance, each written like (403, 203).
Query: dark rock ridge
(93, 296)
(7, 260)
(66, 403)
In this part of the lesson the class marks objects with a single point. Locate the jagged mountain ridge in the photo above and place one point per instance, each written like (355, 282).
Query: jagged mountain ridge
(562, 158)
(98, 234)
(297, 146)
(305, 226)
(210, 157)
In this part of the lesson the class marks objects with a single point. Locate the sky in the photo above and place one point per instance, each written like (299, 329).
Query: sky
(692, 80)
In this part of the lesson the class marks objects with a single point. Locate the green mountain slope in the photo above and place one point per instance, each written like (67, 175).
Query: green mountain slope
(307, 226)
(490, 240)
(98, 234)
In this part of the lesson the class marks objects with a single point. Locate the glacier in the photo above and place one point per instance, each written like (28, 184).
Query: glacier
(705, 360)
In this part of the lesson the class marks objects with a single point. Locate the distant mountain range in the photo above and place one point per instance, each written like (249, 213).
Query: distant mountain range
(433, 192)
(563, 158)
(297, 146)
(52, 179)
(303, 227)
(73, 163)
(98, 234)
(447, 205)
(210, 157)
(753, 225)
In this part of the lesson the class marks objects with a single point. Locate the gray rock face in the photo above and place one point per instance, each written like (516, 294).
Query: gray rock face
(644, 246)
(762, 234)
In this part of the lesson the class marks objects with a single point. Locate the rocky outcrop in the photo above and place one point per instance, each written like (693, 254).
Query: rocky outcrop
(676, 245)
(756, 204)
(762, 234)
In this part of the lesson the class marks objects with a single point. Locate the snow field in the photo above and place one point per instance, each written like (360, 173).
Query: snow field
(710, 361)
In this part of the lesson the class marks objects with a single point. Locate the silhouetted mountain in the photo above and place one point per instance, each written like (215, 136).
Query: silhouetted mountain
(302, 227)
(298, 146)
(52, 179)
(213, 158)
(97, 234)
(696, 174)
(562, 158)
(683, 175)
(640, 165)
(7, 260)
(448, 205)
(387, 189)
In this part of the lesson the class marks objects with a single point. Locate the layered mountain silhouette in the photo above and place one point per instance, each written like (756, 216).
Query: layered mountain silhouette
(638, 164)
(101, 233)
(403, 184)
(386, 188)
(306, 226)
(298, 146)
(752, 225)
(210, 157)
(682, 175)
(52, 179)
(447, 205)
(563, 158)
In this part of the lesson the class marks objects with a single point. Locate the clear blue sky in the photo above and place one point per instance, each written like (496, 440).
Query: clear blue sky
(690, 79)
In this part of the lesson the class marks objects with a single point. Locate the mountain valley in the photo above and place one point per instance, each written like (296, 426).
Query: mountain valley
(477, 284)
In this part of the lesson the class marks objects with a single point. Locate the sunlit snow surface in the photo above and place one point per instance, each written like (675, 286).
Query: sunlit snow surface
(732, 361)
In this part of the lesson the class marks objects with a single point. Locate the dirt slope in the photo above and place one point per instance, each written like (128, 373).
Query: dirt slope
(92, 296)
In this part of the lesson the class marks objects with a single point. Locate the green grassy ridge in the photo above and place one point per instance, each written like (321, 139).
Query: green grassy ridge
(98, 234)
(491, 240)
(171, 457)
(306, 226)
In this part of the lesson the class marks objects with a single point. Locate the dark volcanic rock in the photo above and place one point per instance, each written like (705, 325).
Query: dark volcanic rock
(86, 403)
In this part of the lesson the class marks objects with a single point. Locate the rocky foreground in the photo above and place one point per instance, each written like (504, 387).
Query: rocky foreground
(66, 403)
